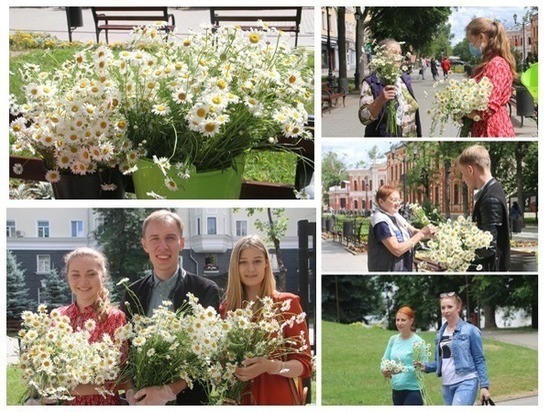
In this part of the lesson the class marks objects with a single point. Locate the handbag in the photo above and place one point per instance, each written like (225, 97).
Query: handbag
(487, 402)
(299, 392)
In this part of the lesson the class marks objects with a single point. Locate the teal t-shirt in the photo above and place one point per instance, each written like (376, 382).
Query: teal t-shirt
(401, 350)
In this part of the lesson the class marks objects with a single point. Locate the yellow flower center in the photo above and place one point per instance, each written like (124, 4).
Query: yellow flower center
(201, 112)
(210, 127)
(292, 79)
(254, 38)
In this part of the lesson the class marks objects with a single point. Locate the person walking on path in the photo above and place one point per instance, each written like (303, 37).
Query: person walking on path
(488, 40)
(162, 239)
(446, 66)
(400, 349)
(433, 67)
(490, 211)
(459, 358)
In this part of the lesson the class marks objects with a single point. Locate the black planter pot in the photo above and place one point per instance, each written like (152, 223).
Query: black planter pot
(105, 184)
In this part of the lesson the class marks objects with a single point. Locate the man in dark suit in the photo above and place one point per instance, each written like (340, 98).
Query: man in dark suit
(490, 212)
(162, 239)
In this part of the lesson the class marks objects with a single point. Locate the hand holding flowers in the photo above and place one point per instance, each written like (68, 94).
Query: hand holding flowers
(459, 103)
(55, 359)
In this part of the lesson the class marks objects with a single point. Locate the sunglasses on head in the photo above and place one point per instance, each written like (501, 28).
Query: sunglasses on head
(447, 295)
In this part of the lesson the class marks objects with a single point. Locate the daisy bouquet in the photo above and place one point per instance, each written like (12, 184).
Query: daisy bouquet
(203, 101)
(71, 118)
(253, 331)
(392, 366)
(455, 244)
(55, 359)
(160, 348)
(453, 103)
(388, 67)
(421, 354)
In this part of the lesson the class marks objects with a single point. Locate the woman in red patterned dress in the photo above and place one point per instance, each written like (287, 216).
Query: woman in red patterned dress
(86, 274)
(250, 276)
(489, 41)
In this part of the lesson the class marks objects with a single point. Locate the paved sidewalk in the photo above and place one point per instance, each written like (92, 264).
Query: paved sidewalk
(344, 121)
(337, 260)
(53, 20)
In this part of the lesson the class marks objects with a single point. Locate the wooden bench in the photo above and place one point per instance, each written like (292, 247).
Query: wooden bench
(126, 18)
(286, 19)
(330, 95)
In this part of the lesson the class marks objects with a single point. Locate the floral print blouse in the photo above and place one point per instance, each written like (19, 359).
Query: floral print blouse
(495, 121)
(409, 108)
(115, 319)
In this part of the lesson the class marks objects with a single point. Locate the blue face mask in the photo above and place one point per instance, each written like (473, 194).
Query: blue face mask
(476, 51)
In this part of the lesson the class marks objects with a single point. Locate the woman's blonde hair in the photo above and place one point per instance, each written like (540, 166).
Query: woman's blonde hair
(103, 303)
(235, 294)
(498, 43)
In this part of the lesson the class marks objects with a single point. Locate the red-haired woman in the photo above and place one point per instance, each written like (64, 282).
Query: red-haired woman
(400, 351)
(391, 238)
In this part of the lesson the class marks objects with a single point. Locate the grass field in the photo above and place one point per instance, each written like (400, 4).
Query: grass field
(351, 357)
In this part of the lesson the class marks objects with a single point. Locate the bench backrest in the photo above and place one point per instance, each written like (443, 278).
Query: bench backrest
(282, 18)
(130, 14)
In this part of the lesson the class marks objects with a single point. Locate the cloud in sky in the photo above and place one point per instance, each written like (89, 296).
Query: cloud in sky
(460, 18)
(352, 151)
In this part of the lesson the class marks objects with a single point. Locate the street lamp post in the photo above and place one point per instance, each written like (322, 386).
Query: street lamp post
(523, 56)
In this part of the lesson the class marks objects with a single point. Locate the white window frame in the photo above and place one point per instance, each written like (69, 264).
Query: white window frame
(239, 226)
(208, 221)
(77, 233)
(41, 263)
(11, 228)
(42, 229)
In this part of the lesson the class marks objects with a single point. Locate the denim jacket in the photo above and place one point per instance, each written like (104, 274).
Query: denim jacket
(467, 352)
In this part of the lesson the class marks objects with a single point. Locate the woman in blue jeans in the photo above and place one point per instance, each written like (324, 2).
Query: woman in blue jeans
(459, 358)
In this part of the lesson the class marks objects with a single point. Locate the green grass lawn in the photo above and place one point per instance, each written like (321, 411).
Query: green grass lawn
(351, 357)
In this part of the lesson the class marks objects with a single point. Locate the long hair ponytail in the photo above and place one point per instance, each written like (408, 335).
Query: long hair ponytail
(498, 43)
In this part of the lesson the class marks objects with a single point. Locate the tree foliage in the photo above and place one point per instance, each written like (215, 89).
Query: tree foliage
(334, 170)
(119, 236)
(348, 299)
(402, 24)
(17, 293)
(56, 290)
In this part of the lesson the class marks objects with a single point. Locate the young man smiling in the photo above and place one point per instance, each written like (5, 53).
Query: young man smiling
(162, 239)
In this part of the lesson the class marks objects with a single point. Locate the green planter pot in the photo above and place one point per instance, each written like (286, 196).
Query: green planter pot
(218, 184)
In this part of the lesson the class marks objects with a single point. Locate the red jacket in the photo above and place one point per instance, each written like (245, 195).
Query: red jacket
(446, 65)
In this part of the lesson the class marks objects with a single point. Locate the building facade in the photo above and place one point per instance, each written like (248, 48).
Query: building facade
(39, 239)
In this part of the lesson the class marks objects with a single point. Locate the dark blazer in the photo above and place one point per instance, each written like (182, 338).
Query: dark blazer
(491, 214)
(204, 289)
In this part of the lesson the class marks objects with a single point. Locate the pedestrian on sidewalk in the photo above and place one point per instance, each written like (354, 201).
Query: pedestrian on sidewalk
(446, 66)
(375, 98)
(435, 71)
(488, 40)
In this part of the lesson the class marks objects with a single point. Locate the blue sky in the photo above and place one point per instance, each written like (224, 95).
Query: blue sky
(460, 18)
(352, 151)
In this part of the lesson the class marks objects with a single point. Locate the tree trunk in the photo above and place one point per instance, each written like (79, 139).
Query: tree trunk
(277, 244)
(359, 41)
(342, 50)
(490, 316)
(520, 151)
